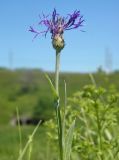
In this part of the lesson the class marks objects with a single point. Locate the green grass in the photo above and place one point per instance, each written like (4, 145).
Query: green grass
(9, 143)
(24, 89)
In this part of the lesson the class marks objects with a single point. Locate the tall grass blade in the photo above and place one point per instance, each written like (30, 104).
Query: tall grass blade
(64, 114)
(29, 141)
(30, 151)
(68, 141)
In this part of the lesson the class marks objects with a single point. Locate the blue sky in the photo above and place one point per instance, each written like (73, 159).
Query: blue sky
(84, 51)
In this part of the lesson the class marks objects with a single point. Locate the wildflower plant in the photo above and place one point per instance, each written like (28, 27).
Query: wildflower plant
(56, 25)
(96, 136)
(93, 112)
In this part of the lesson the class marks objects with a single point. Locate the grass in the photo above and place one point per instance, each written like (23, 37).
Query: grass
(9, 143)
(23, 89)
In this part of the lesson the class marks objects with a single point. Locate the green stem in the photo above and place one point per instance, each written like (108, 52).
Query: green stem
(57, 66)
(59, 126)
(58, 114)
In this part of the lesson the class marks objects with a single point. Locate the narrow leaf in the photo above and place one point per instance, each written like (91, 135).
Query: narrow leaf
(68, 141)
(56, 97)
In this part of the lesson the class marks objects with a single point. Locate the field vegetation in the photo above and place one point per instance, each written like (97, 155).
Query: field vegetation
(29, 91)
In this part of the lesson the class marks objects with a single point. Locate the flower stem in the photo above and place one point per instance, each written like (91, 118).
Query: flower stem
(58, 114)
(57, 66)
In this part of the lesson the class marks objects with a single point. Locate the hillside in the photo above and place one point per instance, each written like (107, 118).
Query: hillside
(29, 90)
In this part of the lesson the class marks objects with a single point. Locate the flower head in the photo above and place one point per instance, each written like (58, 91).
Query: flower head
(56, 25)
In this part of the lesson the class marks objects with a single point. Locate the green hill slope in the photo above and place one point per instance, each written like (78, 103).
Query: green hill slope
(25, 88)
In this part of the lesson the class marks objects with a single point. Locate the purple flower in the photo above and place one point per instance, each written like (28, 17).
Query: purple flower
(56, 24)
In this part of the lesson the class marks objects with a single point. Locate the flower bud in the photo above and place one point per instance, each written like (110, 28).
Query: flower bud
(58, 42)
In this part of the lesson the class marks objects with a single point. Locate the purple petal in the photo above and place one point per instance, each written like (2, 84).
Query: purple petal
(57, 24)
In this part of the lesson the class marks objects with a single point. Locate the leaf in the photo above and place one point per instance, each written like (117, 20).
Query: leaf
(68, 141)
(56, 97)
(64, 113)
(108, 134)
